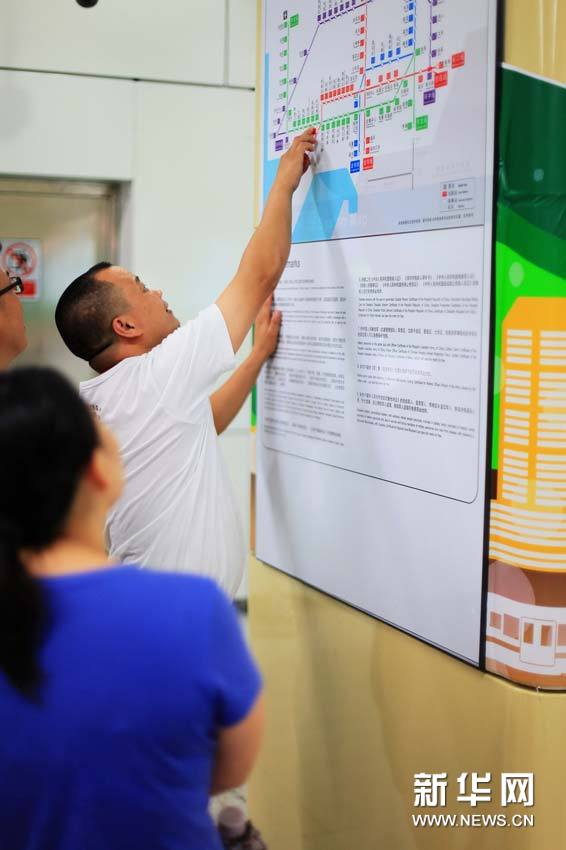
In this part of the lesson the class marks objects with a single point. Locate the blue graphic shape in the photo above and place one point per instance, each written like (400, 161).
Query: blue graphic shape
(354, 166)
(328, 192)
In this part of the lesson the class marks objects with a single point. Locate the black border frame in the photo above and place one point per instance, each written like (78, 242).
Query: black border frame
(499, 52)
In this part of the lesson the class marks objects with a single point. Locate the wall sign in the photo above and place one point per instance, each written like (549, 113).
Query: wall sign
(22, 257)
(373, 413)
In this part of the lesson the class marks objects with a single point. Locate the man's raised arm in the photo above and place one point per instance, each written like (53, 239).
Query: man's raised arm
(267, 252)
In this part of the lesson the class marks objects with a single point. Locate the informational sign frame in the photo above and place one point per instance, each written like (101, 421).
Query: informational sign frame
(23, 258)
(452, 620)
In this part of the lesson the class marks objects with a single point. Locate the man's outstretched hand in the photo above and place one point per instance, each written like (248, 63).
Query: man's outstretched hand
(266, 333)
(227, 401)
(295, 162)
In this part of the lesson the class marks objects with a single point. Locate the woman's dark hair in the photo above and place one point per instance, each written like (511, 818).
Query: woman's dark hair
(47, 438)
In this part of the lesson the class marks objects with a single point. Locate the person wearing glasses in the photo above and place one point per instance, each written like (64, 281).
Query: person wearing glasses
(127, 696)
(13, 339)
(155, 390)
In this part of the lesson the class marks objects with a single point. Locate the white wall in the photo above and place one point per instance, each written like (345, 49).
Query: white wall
(242, 54)
(181, 40)
(194, 168)
(191, 211)
(63, 126)
(185, 146)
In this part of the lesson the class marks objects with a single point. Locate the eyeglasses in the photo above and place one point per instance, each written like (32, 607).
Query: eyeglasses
(15, 283)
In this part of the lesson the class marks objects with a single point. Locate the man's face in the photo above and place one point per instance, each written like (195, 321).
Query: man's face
(147, 308)
(13, 339)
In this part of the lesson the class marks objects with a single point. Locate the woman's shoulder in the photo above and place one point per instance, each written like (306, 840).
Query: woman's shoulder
(150, 578)
(176, 590)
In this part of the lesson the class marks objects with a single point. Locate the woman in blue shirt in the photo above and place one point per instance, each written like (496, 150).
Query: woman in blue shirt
(127, 696)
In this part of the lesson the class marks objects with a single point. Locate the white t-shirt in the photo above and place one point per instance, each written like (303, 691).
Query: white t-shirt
(178, 511)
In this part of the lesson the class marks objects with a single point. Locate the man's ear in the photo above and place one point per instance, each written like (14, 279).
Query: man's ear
(125, 326)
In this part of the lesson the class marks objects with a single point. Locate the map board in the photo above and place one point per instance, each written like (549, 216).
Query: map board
(372, 416)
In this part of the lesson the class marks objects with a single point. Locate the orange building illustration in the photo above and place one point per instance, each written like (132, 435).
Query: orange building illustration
(526, 606)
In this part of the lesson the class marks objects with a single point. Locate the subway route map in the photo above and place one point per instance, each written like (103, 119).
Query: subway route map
(397, 90)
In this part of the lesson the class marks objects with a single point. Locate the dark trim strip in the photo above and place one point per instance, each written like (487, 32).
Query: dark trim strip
(128, 79)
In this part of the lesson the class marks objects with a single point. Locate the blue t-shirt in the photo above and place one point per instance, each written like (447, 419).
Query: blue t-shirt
(141, 668)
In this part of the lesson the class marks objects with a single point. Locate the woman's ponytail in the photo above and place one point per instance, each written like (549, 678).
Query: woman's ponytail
(22, 614)
(47, 439)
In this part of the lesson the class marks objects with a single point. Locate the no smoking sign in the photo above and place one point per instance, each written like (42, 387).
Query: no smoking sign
(22, 258)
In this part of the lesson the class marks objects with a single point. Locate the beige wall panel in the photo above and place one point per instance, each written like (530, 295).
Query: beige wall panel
(535, 35)
(356, 708)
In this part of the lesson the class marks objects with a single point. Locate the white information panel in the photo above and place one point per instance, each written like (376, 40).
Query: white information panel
(372, 416)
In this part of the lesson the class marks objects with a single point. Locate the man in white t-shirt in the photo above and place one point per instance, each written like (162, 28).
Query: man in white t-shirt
(155, 390)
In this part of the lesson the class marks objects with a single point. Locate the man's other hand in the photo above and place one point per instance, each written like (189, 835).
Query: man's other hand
(266, 333)
(295, 162)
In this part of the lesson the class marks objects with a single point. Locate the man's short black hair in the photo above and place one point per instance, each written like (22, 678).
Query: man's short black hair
(85, 312)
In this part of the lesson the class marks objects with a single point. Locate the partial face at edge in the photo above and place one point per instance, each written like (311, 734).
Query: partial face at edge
(146, 308)
(13, 338)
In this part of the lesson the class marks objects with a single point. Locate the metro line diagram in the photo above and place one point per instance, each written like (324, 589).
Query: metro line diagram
(374, 77)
